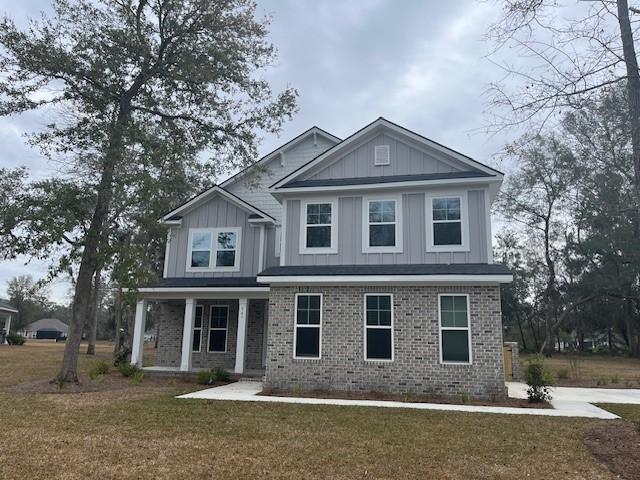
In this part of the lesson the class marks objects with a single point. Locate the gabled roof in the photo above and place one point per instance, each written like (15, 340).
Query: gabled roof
(5, 306)
(256, 215)
(47, 324)
(380, 123)
(281, 149)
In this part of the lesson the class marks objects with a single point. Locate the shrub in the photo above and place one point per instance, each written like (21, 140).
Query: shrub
(539, 378)
(615, 379)
(298, 390)
(208, 377)
(204, 377)
(128, 370)
(603, 381)
(465, 398)
(122, 356)
(99, 368)
(575, 364)
(137, 376)
(563, 373)
(16, 339)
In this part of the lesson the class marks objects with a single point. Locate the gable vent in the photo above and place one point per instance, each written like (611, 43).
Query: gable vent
(381, 155)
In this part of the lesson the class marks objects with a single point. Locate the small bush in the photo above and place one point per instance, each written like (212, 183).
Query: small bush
(99, 368)
(465, 398)
(297, 390)
(539, 378)
(563, 373)
(209, 377)
(615, 379)
(137, 376)
(603, 381)
(219, 374)
(128, 370)
(122, 356)
(204, 377)
(16, 339)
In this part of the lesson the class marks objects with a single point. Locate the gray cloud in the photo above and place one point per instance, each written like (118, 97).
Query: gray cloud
(418, 63)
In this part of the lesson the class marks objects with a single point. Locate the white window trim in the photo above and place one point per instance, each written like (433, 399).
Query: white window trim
(464, 222)
(218, 329)
(334, 226)
(468, 328)
(296, 326)
(201, 307)
(375, 155)
(398, 223)
(383, 360)
(212, 257)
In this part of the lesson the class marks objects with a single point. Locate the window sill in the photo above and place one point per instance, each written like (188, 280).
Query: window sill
(379, 360)
(212, 270)
(382, 250)
(307, 359)
(319, 251)
(447, 248)
(455, 363)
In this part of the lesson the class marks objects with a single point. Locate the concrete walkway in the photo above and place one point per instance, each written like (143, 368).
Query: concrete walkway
(248, 392)
(579, 394)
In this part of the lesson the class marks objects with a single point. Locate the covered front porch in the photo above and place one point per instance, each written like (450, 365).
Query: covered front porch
(204, 327)
(7, 312)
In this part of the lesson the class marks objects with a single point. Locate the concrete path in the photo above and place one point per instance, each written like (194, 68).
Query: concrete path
(248, 392)
(579, 394)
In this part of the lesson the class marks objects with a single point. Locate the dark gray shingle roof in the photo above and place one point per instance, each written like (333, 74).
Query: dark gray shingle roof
(5, 305)
(204, 282)
(47, 324)
(414, 269)
(337, 182)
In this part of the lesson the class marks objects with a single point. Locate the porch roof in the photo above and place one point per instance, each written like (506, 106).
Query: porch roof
(204, 287)
(204, 282)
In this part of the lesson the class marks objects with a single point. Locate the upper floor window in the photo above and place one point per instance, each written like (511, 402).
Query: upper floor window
(318, 227)
(382, 225)
(447, 223)
(214, 249)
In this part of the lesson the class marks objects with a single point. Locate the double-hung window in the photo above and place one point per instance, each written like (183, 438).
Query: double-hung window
(308, 326)
(382, 225)
(318, 222)
(197, 329)
(218, 326)
(214, 249)
(455, 338)
(447, 223)
(378, 327)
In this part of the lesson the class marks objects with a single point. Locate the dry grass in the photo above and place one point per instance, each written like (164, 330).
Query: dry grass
(121, 434)
(596, 370)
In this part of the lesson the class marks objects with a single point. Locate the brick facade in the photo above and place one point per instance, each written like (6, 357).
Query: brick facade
(416, 366)
(171, 319)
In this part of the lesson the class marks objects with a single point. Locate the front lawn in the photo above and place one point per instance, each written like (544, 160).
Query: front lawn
(594, 370)
(143, 432)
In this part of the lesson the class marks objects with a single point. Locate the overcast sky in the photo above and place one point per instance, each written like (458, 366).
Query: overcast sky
(419, 63)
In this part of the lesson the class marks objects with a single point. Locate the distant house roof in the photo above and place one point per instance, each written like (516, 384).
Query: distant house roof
(47, 324)
(5, 306)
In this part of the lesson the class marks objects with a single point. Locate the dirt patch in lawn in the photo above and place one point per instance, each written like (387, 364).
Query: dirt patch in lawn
(617, 445)
(456, 400)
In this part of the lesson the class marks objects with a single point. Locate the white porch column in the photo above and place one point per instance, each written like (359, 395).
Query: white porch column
(241, 340)
(137, 347)
(7, 327)
(187, 334)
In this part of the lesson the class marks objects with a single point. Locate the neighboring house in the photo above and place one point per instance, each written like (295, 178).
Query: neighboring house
(361, 264)
(46, 329)
(7, 312)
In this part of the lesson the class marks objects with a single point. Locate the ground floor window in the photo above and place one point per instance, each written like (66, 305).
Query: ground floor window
(308, 326)
(197, 329)
(218, 326)
(455, 344)
(378, 327)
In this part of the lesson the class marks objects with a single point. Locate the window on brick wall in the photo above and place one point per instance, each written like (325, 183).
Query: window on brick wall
(197, 329)
(218, 327)
(455, 338)
(378, 326)
(308, 326)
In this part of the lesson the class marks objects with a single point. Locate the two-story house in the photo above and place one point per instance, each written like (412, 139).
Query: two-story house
(361, 264)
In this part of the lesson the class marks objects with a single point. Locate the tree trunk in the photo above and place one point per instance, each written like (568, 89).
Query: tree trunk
(533, 332)
(524, 342)
(118, 321)
(95, 314)
(89, 259)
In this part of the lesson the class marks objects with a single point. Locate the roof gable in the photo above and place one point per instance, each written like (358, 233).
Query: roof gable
(174, 216)
(411, 154)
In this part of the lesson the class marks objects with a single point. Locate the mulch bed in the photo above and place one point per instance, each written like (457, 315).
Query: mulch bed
(617, 445)
(509, 402)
